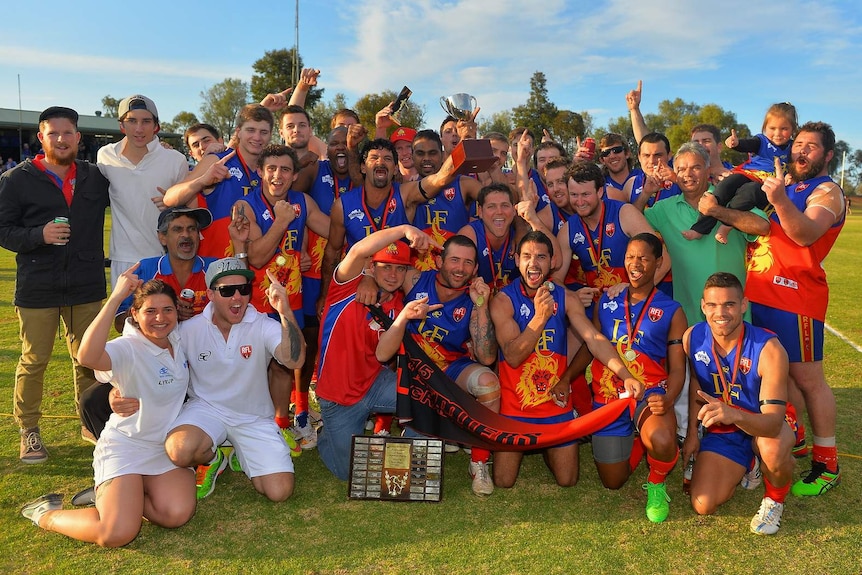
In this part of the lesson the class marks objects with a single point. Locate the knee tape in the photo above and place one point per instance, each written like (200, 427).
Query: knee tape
(484, 385)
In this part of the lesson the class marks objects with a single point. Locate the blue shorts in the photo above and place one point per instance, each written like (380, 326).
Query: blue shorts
(801, 336)
(736, 446)
(562, 418)
(456, 367)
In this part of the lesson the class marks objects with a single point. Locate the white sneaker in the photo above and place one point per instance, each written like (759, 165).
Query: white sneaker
(753, 477)
(482, 484)
(768, 518)
(306, 436)
(450, 447)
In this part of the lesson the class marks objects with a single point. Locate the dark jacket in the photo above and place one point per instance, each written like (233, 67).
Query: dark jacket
(49, 275)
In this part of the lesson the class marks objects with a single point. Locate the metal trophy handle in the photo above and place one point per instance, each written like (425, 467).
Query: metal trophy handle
(459, 106)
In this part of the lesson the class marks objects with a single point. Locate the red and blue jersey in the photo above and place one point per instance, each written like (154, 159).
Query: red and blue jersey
(284, 262)
(601, 251)
(526, 389)
(738, 383)
(441, 217)
(639, 333)
(243, 180)
(444, 334)
(496, 267)
(361, 220)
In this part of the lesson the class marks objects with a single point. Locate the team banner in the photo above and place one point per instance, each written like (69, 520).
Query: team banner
(432, 404)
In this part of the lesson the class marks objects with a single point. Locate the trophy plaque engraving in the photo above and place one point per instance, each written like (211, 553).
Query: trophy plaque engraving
(396, 469)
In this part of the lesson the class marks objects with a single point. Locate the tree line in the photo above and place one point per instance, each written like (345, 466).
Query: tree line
(274, 71)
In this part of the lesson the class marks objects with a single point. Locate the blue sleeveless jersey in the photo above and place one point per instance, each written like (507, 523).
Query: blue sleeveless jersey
(745, 391)
(444, 334)
(504, 269)
(361, 220)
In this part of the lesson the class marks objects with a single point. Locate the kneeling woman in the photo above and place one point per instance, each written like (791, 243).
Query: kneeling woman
(134, 477)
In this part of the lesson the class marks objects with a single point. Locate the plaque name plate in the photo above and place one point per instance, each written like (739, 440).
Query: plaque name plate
(396, 469)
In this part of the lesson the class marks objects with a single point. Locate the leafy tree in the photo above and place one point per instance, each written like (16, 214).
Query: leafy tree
(539, 112)
(110, 105)
(321, 114)
(180, 122)
(566, 128)
(835, 164)
(411, 114)
(222, 102)
(275, 71)
(498, 122)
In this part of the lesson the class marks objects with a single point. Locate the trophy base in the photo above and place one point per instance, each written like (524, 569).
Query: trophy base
(473, 156)
(396, 469)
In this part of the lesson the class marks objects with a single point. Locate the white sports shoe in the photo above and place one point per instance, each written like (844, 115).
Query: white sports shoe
(306, 436)
(753, 477)
(482, 483)
(768, 518)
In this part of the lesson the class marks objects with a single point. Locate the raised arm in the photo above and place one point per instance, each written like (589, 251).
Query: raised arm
(291, 351)
(209, 172)
(633, 102)
(92, 352)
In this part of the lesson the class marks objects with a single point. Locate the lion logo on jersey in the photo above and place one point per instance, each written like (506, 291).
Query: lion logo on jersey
(760, 256)
(538, 377)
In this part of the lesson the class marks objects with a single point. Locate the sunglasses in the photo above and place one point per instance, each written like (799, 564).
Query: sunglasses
(614, 150)
(229, 290)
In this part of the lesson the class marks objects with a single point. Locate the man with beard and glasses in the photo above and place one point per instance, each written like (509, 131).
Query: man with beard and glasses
(52, 214)
(453, 326)
(786, 284)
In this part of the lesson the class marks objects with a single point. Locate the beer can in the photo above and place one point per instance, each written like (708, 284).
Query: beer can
(61, 220)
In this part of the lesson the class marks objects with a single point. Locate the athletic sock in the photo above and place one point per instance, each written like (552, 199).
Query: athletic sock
(777, 494)
(658, 470)
(382, 423)
(826, 452)
(479, 455)
(282, 422)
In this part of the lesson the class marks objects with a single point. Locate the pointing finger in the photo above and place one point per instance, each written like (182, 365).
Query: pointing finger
(640, 86)
(285, 92)
(707, 397)
(779, 169)
(224, 160)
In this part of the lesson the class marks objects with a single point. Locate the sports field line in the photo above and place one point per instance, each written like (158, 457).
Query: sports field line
(842, 337)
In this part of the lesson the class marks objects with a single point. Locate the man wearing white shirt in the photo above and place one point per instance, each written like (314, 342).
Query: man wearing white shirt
(139, 170)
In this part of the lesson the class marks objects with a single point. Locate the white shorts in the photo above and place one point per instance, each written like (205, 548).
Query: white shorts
(259, 445)
(117, 454)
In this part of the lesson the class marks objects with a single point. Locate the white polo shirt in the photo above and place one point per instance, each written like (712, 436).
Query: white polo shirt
(134, 216)
(159, 380)
(231, 376)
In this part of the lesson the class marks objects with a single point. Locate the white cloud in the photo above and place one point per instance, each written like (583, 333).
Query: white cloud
(89, 65)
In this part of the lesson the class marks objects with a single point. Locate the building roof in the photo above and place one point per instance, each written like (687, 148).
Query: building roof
(10, 118)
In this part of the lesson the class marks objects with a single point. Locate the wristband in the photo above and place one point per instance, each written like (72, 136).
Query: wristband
(674, 342)
(422, 190)
(241, 256)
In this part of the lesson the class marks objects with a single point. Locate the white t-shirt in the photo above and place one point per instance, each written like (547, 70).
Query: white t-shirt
(231, 376)
(134, 216)
(141, 369)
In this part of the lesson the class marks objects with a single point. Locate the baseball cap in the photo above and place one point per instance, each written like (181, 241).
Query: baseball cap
(202, 215)
(402, 134)
(227, 267)
(137, 102)
(397, 253)
(59, 112)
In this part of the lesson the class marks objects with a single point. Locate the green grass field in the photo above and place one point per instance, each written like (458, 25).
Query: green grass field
(535, 527)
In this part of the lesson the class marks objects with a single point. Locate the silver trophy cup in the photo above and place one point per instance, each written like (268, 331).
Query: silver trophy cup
(459, 106)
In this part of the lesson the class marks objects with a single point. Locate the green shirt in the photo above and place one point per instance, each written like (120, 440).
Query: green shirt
(692, 261)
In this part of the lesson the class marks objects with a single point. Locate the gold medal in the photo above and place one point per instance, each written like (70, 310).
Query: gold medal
(480, 301)
(550, 286)
(630, 355)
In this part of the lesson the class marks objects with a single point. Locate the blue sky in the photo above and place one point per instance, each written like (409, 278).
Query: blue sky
(741, 55)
